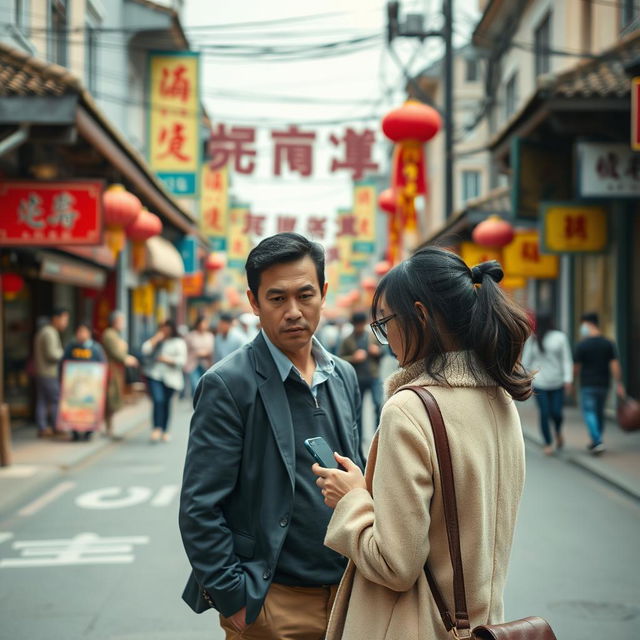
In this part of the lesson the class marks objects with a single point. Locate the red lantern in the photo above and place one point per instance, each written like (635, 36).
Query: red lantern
(493, 232)
(145, 226)
(121, 208)
(412, 121)
(387, 200)
(368, 283)
(382, 267)
(12, 283)
(215, 261)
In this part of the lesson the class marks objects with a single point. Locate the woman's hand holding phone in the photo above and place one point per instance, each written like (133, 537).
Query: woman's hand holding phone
(336, 483)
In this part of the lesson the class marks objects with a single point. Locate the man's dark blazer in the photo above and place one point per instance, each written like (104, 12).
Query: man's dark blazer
(239, 476)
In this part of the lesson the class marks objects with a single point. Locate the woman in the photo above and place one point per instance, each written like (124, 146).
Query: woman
(455, 333)
(167, 354)
(547, 355)
(118, 357)
(199, 351)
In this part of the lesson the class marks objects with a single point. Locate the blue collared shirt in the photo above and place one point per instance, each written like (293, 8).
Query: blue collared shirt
(325, 365)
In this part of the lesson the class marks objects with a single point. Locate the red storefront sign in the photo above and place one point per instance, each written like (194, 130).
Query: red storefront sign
(635, 114)
(36, 213)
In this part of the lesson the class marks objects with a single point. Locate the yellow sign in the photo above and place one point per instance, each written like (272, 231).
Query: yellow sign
(513, 282)
(143, 297)
(574, 228)
(523, 258)
(214, 205)
(174, 120)
(239, 244)
(364, 211)
(473, 254)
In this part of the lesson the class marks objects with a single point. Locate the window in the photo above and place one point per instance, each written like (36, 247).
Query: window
(471, 74)
(470, 184)
(542, 45)
(510, 96)
(58, 31)
(629, 12)
(91, 26)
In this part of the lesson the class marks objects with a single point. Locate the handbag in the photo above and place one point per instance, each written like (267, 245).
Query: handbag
(532, 628)
(628, 414)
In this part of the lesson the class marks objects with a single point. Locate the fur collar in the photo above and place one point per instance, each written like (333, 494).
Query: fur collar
(456, 372)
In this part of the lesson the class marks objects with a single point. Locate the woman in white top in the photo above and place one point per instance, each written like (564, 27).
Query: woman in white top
(547, 354)
(167, 353)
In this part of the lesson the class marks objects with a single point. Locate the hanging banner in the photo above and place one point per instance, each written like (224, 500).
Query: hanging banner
(214, 205)
(239, 243)
(573, 227)
(174, 119)
(523, 258)
(347, 271)
(364, 211)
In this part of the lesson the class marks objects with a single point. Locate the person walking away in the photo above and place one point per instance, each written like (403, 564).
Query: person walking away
(167, 355)
(47, 353)
(595, 362)
(228, 337)
(547, 355)
(251, 519)
(118, 357)
(361, 349)
(200, 344)
(457, 335)
(82, 348)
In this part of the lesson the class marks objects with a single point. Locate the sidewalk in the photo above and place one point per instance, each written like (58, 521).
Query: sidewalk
(39, 462)
(619, 465)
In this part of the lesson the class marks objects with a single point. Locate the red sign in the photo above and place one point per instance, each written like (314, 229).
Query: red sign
(37, 213)
(635, 114)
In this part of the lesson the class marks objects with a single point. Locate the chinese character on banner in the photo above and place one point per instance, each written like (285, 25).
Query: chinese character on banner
(358, 152)
(30, 210)
(316, 227)
(174, 120)
(347, 225)
(233, 145)
(575, 227)
(214, 206)
(364, 211)
(333, 254)
(63, 212)
(286, 224)
(254, 225)
(295, 148)
(607, 165)
(239, 243)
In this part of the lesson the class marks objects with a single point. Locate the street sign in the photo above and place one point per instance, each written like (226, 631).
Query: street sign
(607, 170)
(572, 227)
(523, 258)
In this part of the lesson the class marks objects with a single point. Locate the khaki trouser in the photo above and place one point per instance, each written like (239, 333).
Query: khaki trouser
(288, 613)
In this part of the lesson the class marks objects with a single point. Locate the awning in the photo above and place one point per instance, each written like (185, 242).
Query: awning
(69, 271)
(163, 258)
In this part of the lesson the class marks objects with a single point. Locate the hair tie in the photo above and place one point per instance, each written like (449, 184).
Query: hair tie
(476, 275)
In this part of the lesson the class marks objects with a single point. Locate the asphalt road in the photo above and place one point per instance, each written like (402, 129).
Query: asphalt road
(97, 555)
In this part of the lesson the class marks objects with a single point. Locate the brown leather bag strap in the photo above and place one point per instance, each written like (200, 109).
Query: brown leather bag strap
(443, 452)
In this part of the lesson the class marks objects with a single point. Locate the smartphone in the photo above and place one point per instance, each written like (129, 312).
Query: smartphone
(321, 452)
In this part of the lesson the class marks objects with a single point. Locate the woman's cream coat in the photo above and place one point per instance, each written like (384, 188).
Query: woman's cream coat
(390, 531)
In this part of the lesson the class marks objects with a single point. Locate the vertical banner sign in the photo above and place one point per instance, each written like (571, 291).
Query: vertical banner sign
(348, 274)
(214, 205)
(174, 120)
(238, 241)
(364, 211)
(635, 114)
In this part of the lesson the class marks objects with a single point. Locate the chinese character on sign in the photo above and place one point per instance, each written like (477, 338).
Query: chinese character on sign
(333, 254)
(347, 226)
(175, 85)
(530, 251)
(575, 227)
(254, 225)
(225, 145)
(607, 165)
(213, 219)
(286, 224)
(358, 151)
(296, 148)
(174, 142)
(316, 227)
(633, 169)
(83, 549)
(63, 212)
(29, 210)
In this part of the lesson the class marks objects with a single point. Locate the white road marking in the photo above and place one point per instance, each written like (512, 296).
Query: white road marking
(83, 549)
(18, 471)
(4, 536)
(46, 499)
(165, 496)
(111, 498)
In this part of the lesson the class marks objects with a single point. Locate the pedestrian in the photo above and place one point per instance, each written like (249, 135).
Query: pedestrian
(118, 357)
(251, 519)
(82, 348)
(228, 337)
(167, 354)
(200, 343)
(329, 335)
(456, 334)
(595, 362)
(47, 353)
(547, 355)
(362, 350)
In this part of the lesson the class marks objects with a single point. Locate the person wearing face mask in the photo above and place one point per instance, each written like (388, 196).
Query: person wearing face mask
(595, 362)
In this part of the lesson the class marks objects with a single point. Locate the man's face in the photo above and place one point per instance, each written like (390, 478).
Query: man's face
(289, 303)
(82, 334)
(61, 322)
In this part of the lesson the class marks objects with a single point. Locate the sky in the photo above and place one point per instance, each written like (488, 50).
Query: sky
(351, 90)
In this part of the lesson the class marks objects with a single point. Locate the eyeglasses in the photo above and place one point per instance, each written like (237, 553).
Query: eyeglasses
(379, 328)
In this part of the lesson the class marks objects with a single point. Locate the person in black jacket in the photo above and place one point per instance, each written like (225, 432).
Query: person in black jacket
(251, 518)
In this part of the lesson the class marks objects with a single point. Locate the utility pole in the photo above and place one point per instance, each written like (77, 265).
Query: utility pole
(413, 28)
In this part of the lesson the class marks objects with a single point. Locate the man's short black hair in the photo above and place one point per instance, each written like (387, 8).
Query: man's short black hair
(359, 317)
(58, 311)
(591, 317)
(280, 249)
(225, 316)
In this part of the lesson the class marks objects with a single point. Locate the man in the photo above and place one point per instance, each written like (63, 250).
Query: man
(47, 352)
(361, 350)
(251, 516)
(595, 361)
(228, 337)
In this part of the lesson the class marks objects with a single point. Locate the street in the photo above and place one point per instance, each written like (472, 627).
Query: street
(97, 555)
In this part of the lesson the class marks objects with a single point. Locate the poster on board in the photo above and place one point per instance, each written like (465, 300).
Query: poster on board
(82, 395)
